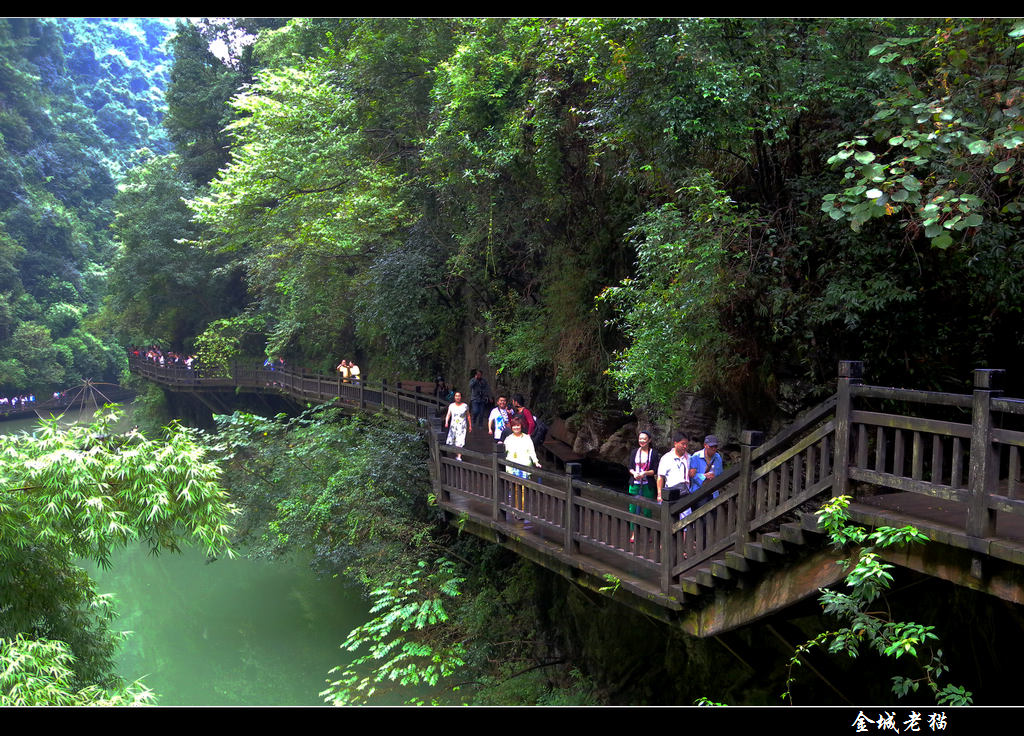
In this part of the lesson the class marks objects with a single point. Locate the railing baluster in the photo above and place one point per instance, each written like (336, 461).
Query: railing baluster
(797, 473)
(917, 459)
(761, 496)
(956, 477)
(862, 446)
(1013, 477)
(824, 457)
(937, 460)
(897, 453)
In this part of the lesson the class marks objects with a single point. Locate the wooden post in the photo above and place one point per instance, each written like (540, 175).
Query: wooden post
(984, 462)
(850, 374)
(383, 388)
(362, 395)
(569, 543)
(495, 483)
(749, 439)
(666, 546)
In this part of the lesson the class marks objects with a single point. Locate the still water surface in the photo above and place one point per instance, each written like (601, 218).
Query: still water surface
(230, 632)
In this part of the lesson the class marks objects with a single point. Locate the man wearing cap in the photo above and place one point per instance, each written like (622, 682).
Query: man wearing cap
(705, 464)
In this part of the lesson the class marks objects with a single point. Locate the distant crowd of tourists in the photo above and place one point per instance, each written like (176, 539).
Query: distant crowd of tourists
(18, 402)
(22, 402)
(154, 354)
(350, 372)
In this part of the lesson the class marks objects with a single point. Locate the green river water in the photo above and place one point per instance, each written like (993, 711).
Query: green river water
(229, 632)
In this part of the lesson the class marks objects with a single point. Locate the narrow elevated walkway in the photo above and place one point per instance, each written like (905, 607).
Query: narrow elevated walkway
(947, 463)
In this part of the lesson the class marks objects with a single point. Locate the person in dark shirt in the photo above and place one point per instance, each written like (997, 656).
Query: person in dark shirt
(479, 396)
(517, 404)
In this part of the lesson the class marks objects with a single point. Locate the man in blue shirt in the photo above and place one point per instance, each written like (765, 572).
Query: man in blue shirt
(705, 465)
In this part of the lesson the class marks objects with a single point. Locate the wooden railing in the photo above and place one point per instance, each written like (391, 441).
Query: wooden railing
(297, 383)
(589, 519)
(960, 448)
(965, 449)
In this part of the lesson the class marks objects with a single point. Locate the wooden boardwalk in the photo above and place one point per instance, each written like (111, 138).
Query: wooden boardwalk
(949, 464)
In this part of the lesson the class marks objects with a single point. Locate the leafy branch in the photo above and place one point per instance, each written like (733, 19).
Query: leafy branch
(406, 642)
(868, 580)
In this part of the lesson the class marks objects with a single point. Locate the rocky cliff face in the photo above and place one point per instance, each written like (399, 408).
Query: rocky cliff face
(610, 436)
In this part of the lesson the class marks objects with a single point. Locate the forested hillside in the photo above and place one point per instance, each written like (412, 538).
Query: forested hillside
(77, 99)
(606, 210)
(603, 213)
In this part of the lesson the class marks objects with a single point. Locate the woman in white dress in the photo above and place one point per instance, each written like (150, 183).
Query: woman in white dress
(458, 422)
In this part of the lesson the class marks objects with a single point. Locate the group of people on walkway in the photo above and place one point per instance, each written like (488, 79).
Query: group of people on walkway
(349, 371)
(673, 475)
(164, 358)
(654, 476)
(17, 402)
(511, 428)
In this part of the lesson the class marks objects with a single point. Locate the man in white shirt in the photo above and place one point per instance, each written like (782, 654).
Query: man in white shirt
(499, 418)
(674, 469)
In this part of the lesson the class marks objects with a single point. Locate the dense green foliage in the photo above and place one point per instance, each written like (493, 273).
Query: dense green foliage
(353, 491)
(350, 489)
(77, 98)
(75, 494)
(40, 672)
(163, 287)
(398, 651)
(119, 69)
(395, 185)
(670, 309)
